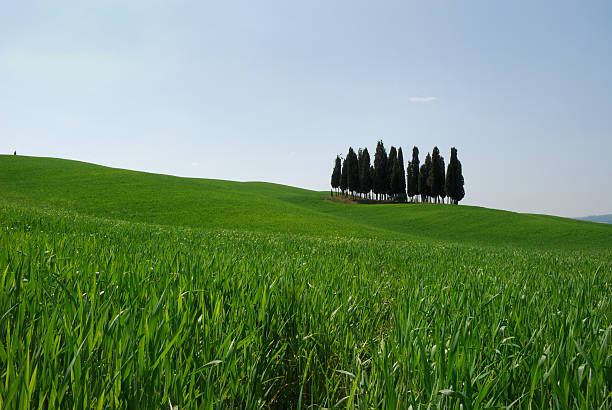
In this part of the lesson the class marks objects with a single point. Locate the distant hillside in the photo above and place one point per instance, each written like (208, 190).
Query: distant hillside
(606, 219)
(100, 191)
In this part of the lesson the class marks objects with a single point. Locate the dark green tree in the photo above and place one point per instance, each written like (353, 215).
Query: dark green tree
(372, 176)
(396, 173)
(408, 178)
(435, 178)
(337, 172)
(401, 190)
(359, 165)
(460, 183)
(380, 170)
(344, 178)
(391, 163)
(424, 188)
(454, 179)
(365, 179)
(413, 174)
(450, 182)
(352, 171)
(441, 173)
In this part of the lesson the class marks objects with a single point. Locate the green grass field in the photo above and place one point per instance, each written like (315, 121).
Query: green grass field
(121, 289)
(93, 190)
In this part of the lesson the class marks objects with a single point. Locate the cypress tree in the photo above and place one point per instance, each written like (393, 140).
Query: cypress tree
(423, 191)
(454, 179)
(372, 176)
(434, 180)
(447, 183)
(352, 171)
(344, 178)
(391, 163)
(450, 185)
(401, 191)
(428, 162)
(442, 177)
(413, 174)
(460, 183)
(380, 170)
(365, 178)
(424, 187)
(395, 181)
(335, 177)
(409, 178)
(359, 167)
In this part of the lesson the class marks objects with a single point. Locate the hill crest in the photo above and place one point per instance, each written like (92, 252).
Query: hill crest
(101, 191)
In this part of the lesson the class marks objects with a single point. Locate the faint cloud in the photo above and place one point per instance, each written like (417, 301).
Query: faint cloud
(422, 99)
(195, 164)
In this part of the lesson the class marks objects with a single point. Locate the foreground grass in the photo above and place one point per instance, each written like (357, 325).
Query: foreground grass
(101, 313)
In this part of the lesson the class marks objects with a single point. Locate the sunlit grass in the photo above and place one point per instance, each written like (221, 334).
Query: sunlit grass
(105, 314)
(213, 204)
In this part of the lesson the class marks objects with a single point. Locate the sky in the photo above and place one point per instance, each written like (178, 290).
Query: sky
(274, 90)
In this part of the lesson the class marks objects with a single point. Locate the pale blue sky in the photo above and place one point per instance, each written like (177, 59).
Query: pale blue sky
(273, 90)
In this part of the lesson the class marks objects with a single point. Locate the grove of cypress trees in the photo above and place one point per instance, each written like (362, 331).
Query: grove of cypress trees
(335, 177)
(391, 163)
(413, 174)
(344, 178)
(353, 171)
(387, 178)
(401, 190)
(380, 170)
(365, 179)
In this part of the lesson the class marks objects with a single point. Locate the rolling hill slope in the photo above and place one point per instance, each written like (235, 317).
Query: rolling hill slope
(125, 289)
(100, 191)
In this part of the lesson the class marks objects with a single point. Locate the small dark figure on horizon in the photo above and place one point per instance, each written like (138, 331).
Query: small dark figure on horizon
(15, 153)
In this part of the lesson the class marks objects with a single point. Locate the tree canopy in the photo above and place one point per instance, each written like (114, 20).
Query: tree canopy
(343, 177)
(401, 191)
(454, 178)
(337, 172)
(435, 179)
(365, 178)
(424, 186)
(352, 171)
(380, 169)
(391, 163)
(413, 174)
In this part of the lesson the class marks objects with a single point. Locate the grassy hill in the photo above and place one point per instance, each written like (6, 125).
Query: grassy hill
(255, 295)
(95, 190)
